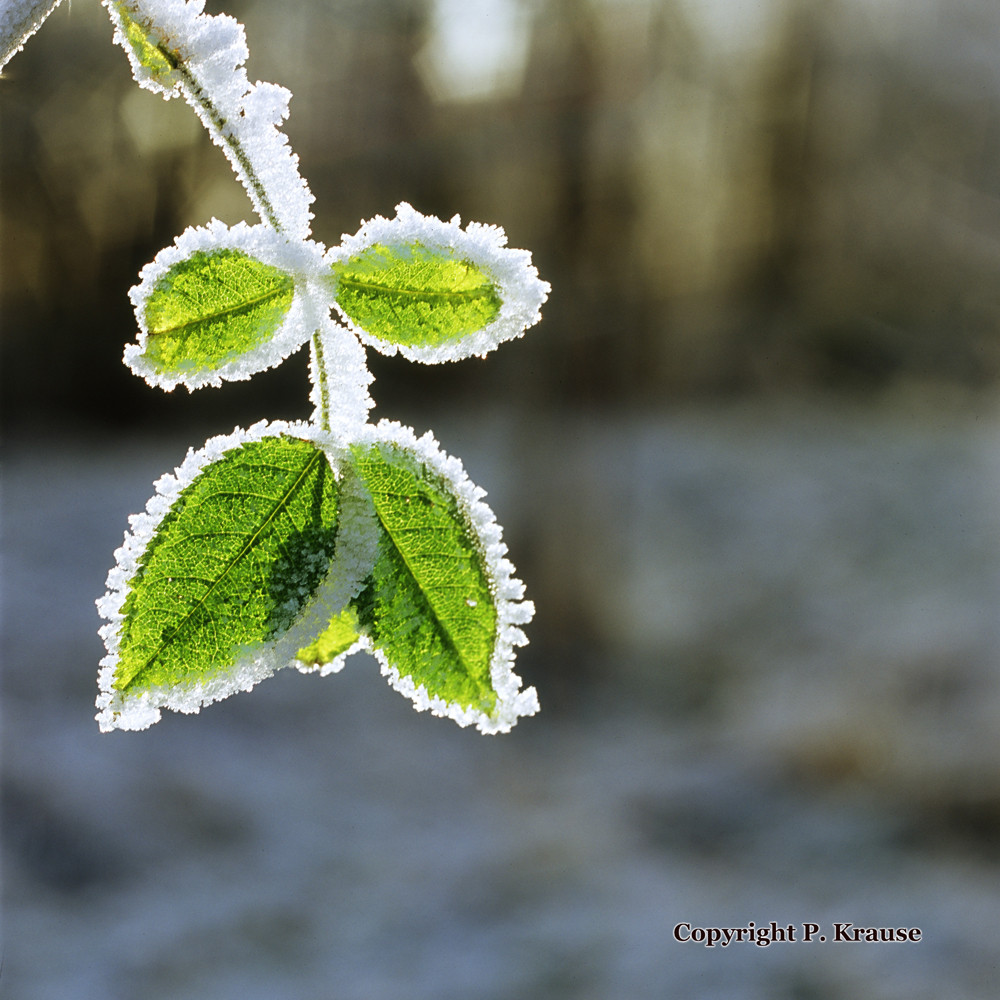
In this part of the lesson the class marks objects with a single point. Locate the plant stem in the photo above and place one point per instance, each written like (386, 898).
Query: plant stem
(219, 124)
(324, 386)
(258, 193)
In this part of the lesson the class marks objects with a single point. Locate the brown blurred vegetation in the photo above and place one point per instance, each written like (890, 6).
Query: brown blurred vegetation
(807, 201)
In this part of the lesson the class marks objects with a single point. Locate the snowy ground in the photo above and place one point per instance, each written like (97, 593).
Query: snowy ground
(784, 620)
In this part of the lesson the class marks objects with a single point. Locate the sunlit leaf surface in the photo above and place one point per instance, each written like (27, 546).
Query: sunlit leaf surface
(231, 564)
(413, 296)
(428, 606)
(211, 308)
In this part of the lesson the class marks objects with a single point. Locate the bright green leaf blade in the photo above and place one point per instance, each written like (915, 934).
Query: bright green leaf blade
(336, 638)
(211, 308)
(231, 565)
(411, 295)
(428, 606)
(155, 57)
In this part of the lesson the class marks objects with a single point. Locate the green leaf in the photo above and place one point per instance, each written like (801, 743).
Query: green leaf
(211, 308)
(411, 295)
(154, 56)
(231, 565)
(336, 638)
(428, 605)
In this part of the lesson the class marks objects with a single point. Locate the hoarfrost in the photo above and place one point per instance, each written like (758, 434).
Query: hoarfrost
(344, 377)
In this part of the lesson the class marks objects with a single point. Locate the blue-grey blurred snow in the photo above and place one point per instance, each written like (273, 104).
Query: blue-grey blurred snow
(787, 710)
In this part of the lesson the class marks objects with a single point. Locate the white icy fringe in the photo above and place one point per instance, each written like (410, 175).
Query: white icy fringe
(520, 289)
(122, 710)
(508, 592)
(301, 259)
(345, 372)
(19, 20)
(212, 51)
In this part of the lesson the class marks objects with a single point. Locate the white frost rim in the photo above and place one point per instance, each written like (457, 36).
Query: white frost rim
(520, 289)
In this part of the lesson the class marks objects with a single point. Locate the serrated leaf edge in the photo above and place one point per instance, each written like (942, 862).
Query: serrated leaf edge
(302, 260)
(521, 291)
(131, 711)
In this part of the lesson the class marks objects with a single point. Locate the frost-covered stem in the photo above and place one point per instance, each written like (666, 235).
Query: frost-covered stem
(216, 121)
(322, 380)
(20, 20)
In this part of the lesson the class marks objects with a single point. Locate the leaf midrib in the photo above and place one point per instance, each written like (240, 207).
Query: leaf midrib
(467, 294)
(433, 611)
(230, 312)
(172, 633)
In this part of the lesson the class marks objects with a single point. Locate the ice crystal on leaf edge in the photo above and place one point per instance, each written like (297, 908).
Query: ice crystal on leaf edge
(19, 20)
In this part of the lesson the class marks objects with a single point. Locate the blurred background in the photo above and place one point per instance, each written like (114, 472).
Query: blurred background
(748, 466)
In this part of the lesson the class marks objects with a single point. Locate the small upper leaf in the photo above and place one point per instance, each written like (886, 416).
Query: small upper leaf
(221, 304)
(413, 296)
(211, 308)
(432, 290)
(226, 570)
(153, 56)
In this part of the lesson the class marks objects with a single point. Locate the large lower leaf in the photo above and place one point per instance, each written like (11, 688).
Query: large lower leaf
(428, 605)
(231, 564)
